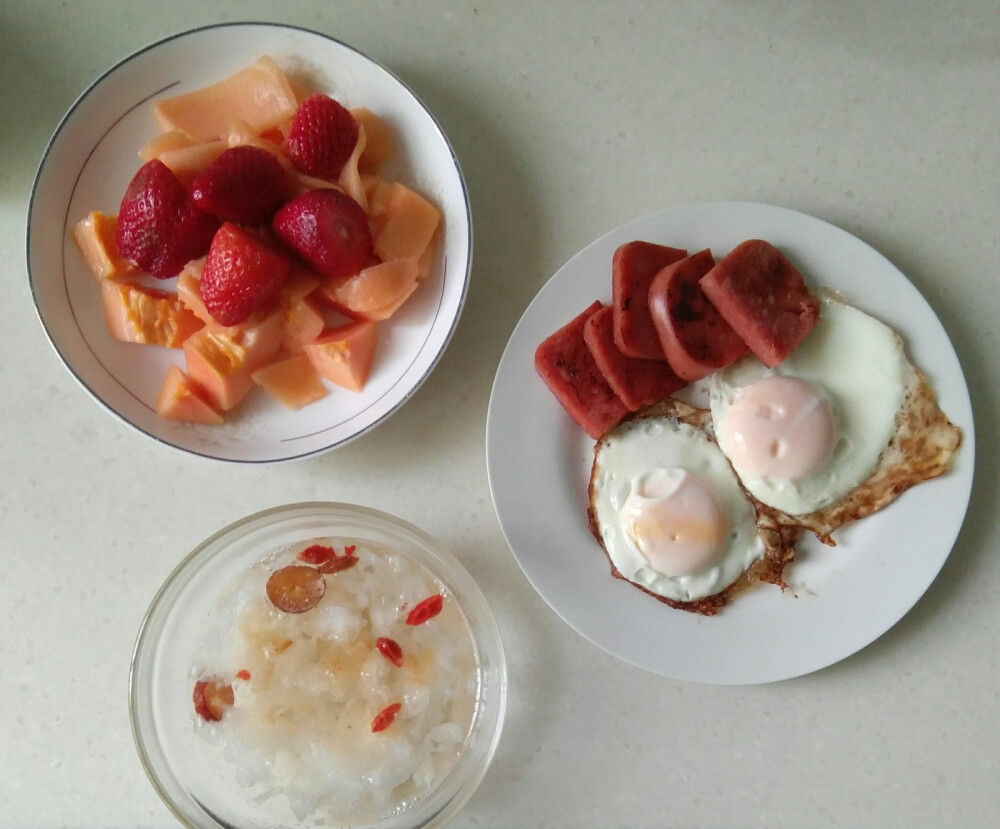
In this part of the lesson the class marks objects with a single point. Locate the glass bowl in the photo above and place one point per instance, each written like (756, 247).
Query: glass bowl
(160, 680)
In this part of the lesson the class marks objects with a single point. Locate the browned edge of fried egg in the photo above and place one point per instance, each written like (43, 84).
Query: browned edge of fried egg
(779, 539)
(921, 448)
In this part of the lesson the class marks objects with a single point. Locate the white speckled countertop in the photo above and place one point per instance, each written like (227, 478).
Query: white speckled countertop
(569, 119)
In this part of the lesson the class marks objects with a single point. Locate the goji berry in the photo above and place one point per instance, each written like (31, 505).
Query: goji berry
(316, 554)
(211, 699)
(390, 649)
(335, 565)
(426, 610)
(383, 719)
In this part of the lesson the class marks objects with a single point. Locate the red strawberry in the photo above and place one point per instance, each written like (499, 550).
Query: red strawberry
(328, 229)
(159, 227)
(322, 137)
(241, 273)
(245, 185)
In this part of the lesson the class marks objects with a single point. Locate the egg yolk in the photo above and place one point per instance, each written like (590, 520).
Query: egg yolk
(780, 428)
(675, 519)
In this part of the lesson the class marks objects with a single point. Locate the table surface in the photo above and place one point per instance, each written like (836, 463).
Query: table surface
(569, 118)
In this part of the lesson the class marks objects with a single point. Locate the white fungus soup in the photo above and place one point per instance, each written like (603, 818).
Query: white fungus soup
(336, 680)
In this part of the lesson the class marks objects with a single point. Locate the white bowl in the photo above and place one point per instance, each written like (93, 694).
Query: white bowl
(160, 680)
(89, 162)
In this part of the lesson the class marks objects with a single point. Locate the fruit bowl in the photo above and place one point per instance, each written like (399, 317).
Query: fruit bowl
(87, 166)
(198, 784)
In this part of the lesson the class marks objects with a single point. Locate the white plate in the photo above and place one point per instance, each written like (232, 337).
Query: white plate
(842, 598)
(92, 157)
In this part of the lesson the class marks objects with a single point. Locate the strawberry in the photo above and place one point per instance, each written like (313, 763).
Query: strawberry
(328, 229)
(245, 185)
(322, 137)
(159, 227)
(242, 272)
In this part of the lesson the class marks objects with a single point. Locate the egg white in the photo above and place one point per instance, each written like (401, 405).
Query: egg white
(857, 364)
(638, 448)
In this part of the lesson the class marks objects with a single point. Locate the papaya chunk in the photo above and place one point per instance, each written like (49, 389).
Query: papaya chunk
(164, 142)
(220, 359)
(189, 289)
(260, 95)
(343, 355)
(293, 382)
(407, 225)
(180, 398)
(350, 179)
(187, 162)
(304, 322)
(368, 294)
(95, 237)
(136, 314)
(377, 191)
(379, 143)
(426, 260)
(300, 282)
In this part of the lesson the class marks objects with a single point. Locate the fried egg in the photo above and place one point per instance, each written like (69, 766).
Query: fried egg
(805, 433)
(838, 430)
(669, 510)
